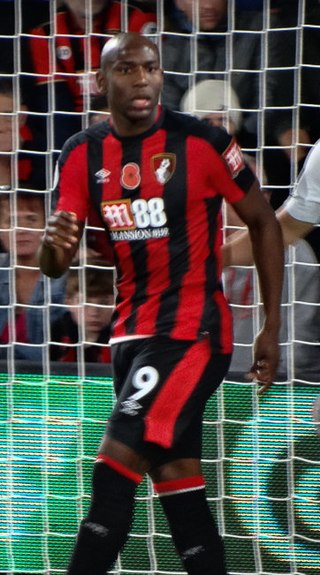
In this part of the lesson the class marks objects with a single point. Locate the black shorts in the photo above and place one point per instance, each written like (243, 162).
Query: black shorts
(162, 386)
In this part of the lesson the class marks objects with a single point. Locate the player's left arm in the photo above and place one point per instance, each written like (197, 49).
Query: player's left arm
(268, 254)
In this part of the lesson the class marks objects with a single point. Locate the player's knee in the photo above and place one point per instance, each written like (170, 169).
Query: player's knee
(104, 530)
(176, 469)
(113, 493)
(121, 452)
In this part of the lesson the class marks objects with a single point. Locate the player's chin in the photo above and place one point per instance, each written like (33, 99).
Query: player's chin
(136, 115)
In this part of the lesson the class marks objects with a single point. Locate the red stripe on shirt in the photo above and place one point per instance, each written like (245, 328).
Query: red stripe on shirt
(73, 182)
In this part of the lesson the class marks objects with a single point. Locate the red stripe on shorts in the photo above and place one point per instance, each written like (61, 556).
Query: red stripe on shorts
(162, 417)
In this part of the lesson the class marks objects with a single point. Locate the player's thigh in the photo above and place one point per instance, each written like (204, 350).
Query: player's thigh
(186, 432)
(162, 386)
(141, 369)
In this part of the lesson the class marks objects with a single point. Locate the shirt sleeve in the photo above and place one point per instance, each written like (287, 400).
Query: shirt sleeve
(230, 174)
(71, 186)
(304, 204)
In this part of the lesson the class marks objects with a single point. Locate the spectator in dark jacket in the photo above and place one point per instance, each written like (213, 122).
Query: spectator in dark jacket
(198, 46)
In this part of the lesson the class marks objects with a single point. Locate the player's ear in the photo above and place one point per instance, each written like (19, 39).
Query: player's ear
(162, 76)
(101, 82)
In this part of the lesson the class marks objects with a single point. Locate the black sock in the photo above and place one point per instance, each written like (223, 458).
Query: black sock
(105, 529)
(193, 529)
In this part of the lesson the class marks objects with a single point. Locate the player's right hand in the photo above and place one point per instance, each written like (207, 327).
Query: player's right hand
(266, 359)
(61, 230)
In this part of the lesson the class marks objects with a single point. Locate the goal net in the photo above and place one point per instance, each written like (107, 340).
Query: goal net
(260, 454)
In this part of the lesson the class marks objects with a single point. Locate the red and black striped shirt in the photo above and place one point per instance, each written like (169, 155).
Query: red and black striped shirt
(159, 197)
(76, 53)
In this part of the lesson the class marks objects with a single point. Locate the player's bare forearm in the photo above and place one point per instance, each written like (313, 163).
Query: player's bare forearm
(264, 246)
(267, 246)
(237, 251)
(268, 254)
(59, 244)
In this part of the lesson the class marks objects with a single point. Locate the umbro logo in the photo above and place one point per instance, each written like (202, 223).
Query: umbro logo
(102, 176)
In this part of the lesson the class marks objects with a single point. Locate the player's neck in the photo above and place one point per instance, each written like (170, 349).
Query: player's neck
(125, 127)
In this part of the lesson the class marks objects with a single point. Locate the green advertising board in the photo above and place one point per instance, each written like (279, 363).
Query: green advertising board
(261, 459)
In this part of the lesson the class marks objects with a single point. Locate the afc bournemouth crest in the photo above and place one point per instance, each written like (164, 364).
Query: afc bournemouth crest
(163, 166)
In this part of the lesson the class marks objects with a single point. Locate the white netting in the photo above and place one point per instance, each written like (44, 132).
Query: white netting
(261, 457)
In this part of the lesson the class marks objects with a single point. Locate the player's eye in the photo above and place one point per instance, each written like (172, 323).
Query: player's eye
(124, 69)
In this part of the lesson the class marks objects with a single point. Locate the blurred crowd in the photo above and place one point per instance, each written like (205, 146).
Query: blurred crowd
(250, 66)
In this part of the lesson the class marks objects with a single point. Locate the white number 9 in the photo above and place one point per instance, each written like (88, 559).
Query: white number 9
(145, 379)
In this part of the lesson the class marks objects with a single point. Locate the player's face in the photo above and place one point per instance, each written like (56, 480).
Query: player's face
(132, 81)
(205, 13)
